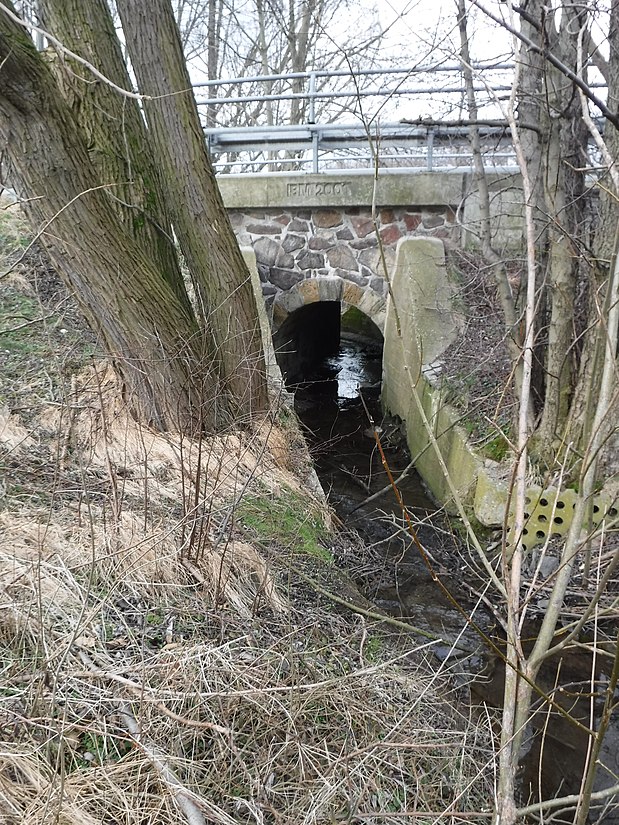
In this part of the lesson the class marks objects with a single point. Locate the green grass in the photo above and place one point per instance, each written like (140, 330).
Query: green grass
(285, 520)
(24, 349)
(15, 233)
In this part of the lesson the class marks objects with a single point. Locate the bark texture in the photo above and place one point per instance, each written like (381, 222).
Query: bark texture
(113, 126)
(565, 157)
(221, 280)
(154, 340)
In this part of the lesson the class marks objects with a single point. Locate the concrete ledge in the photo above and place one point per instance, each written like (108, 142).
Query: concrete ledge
(343, 189)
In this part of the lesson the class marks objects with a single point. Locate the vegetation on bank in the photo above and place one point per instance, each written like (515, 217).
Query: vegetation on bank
(162, 659)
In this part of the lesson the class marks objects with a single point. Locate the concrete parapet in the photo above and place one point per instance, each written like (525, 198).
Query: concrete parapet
(346, 188)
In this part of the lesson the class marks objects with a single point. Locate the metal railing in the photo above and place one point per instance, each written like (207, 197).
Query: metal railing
(323, 146)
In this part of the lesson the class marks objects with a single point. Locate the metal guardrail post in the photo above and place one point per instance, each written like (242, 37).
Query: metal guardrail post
(430, 150)
(311, 117)
(315, 151)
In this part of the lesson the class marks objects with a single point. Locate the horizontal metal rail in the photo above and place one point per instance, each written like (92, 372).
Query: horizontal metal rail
(349, 93)
(406, 70)
(321, 142)
(321, 145)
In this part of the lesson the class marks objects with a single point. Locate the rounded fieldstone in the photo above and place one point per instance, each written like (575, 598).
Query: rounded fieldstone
(292, 242)
(284, 259)
(378, 285)
(326, 218)
(412, 221)
(284, 278)
(310, 260)
(366, 243)
(266, 250)
(264, 229)
(344, 234)
(390, 234)
(342, 257)
(362, 226)
(431, 220)
(371, 258)
(319, 242)
(297, 225)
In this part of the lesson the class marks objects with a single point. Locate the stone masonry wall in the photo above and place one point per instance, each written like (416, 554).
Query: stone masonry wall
(292, 244)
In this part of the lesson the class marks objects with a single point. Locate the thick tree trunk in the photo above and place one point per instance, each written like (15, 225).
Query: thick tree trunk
(565, 157)
(113, 126)
(221, 279)
(154, 341)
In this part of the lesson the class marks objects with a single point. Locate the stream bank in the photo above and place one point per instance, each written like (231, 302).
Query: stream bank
(338, 404)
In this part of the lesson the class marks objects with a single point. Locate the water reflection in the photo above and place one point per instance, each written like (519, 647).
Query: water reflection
(339, 379)
(356, 365)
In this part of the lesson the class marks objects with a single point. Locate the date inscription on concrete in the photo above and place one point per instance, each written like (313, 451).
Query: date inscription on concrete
(316, 190)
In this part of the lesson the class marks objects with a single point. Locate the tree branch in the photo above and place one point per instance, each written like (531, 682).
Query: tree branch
(553, 60)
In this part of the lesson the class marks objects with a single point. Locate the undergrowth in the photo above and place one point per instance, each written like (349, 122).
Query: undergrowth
(143, 681)
(283, 519)
(477, 368)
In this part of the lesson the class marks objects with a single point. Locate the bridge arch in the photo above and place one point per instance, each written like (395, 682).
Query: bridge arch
(329, 288)
(311, 318)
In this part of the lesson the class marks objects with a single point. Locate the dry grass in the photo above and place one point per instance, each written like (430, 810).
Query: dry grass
(156, 667)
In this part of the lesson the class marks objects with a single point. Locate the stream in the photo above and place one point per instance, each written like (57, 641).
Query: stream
(337, 404)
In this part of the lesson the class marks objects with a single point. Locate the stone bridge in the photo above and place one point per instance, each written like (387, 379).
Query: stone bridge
(322, 244)
(316, 244)
(316, 237)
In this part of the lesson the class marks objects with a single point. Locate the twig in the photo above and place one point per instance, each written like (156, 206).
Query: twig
(30, 27)
(184, 797)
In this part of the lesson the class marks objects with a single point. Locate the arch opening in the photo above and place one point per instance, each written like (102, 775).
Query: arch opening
(306, 338)
(332, 346)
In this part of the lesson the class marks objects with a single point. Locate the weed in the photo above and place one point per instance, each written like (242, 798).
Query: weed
(105, 749)
(373, 647)
(285, 521)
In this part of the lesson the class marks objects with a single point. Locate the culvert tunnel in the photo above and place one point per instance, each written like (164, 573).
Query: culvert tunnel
(310, 340)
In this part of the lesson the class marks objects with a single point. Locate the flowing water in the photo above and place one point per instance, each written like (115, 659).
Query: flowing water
(338, 404)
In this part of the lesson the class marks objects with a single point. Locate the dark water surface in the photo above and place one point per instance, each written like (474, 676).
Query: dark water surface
(336, 405)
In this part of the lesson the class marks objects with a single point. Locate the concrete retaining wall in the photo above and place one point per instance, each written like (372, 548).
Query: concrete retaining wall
(421, 324)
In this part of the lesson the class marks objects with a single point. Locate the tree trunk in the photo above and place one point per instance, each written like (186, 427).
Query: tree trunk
(113, 126)
(221, 279)
(156, 345)
(564, 187)
(584, 400)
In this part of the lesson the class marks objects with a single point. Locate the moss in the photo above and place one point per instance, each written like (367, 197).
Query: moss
(497, 448)
(357, 322)
(285, 520)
